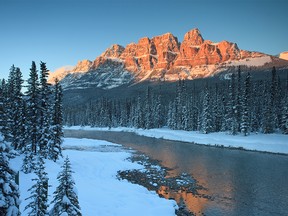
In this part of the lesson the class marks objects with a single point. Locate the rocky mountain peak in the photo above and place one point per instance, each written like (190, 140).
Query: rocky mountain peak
(83, 66)
(144, 40)
(114, 51)
(193, 38)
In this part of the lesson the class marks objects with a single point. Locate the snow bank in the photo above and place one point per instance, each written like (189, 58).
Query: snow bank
(99, 191)
(275, 143)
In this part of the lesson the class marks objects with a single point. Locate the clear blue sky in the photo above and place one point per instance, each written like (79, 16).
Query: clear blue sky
(61, 32)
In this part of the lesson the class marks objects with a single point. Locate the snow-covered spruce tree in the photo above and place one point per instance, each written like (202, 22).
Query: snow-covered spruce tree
(8, 93)
(17, 113)
(44, 111)
(186, 116)
(171, 115)
(33, 134)
(239, 99)
(55, 149)
(275, 99)
(148, 121)
(2, 100)
(33, 103)
(267, 117)
(138, 114)
(65, 197)
(218, 110)
(284, 119)
(206, 117)
(39, 191)
(245, 119)
(180, 98)
(256, 105)
(9, 192)
(232, 111)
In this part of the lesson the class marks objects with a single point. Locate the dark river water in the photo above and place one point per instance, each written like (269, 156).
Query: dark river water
(239, 182)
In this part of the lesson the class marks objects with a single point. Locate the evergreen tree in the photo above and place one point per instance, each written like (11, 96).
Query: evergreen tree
(65, 198)
(138, 115)
(31, 149)
(55, 149)
(206, 119)
(17, 112)
(284, 119)
(245, 120)
(218, 110)
(275, 101)
(232, 110)
(8, 106)
(157, 113)
(44, 111)
(267, 117)
(39, 191)
(2, 108)
(148, 110)
(238, 100)
(257, 106)
(33, 109)
(179, 103)
(9, 192)
(171, 115)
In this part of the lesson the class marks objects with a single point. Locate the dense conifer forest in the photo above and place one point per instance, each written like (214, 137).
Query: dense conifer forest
(239, 104)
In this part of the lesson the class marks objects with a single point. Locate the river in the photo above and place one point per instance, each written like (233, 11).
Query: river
(238, 182)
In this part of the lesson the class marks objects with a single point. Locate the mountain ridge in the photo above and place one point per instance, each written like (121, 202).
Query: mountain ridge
(162, 57)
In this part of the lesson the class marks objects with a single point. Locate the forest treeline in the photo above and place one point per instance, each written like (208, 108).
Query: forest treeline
(240, 104)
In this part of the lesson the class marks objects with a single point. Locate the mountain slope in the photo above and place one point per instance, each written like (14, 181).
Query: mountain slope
(162, 58)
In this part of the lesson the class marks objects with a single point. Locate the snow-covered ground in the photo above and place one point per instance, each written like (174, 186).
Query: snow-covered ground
(99, 191)
(276, 143)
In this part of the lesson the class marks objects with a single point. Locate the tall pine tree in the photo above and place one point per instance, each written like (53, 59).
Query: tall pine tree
(232, 108)
(44, 111)
(206, 118)
(38, 205)
(33, 109)
(245, 120)
(65, 198)
(55, 149)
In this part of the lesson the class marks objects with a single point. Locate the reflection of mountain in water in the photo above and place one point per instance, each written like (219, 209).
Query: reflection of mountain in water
(194, 203)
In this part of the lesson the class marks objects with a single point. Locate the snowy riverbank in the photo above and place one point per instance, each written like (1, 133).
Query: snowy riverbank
(95, 164)
(275, 143)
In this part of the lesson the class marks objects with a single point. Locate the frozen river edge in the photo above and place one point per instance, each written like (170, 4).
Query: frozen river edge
(271, 143)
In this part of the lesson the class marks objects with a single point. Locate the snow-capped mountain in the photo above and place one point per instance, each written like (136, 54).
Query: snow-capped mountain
(162, 58)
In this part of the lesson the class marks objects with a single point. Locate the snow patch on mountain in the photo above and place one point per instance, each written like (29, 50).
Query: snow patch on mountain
(250, 62)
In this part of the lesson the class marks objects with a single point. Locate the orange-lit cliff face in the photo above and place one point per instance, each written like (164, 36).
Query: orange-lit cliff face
(164, 52)
(164, 58)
